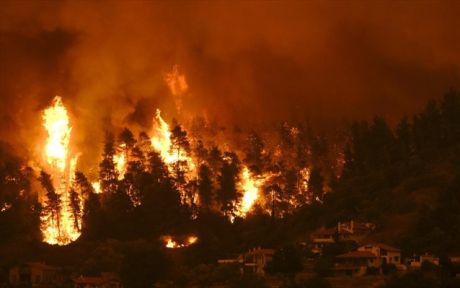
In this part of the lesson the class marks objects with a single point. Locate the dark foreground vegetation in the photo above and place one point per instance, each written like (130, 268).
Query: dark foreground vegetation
(404, 179)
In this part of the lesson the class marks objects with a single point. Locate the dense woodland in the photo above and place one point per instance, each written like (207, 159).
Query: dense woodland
(406, 179)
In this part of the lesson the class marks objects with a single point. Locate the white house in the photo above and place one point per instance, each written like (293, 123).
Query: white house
(255, 260)
(385, 253)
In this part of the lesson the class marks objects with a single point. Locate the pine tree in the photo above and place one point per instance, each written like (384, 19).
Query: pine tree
(74, 205)
(205, 187)
(255, 153)
(180, 146)
(53, 202)
(228, 193)
(315, 185)
(107, 173)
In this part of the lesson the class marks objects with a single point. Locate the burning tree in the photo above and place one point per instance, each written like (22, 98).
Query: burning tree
(57, 222)
(52, 208)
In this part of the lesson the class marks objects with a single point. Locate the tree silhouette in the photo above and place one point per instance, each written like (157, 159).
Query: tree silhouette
(228, 193)
(74, 205)
(53, 201)
(205, 187)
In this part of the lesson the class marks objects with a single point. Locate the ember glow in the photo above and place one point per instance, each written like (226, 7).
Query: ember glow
(97, 187)
(250, 186)
(174, 243)
(120, 164)
(61, 166)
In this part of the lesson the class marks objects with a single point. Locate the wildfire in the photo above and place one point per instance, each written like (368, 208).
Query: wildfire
(172, 244)
(161, 140)
(62, 168)
(120, 164)
(97, 187)
(250, 186)
(57, 125)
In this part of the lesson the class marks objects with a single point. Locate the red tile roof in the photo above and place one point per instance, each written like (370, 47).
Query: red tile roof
(357, 254)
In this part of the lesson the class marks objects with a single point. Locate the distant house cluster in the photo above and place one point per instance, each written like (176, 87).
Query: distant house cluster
(368, 256)
(253, 261)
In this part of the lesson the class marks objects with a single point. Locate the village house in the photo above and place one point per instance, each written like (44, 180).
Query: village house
(36, 275)
(354, 230)
(355, 263)
(321, 238)
(105, 280)
(385, 253)
(370, 256)
(415, 262)
(255, 260)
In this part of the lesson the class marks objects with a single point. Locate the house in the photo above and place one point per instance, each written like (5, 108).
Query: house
(105, 280)
(255, 260)
(321, 238)
(35, 274)
(415, 262)
(354, 230)
(385, 253)
(355, 263)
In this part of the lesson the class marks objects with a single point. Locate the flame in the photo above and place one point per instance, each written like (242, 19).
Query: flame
(62, 168)
(97, 187)
(172, 244)
(56, 123)
(120, 164)
(161, 142)
(192, 240)
(250, 187)
(304, 178)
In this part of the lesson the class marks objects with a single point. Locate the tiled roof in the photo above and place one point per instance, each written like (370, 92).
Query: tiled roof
(357, 254)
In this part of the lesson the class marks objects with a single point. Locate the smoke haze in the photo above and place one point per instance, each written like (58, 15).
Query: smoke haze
(246, 63)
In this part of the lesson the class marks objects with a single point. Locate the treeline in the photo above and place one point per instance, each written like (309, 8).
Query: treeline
(411, 171)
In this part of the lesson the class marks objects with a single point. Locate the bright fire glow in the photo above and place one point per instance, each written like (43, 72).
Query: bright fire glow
(172, 244)
(120, 164)
(161, 142)
(56, 123)
(250, 187)
(97, 187)
(62, 169)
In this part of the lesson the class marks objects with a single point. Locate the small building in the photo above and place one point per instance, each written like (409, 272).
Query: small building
(105, 280)
(354, 230)
(355, 263)
(35, 274)
(321, 238)
(415, 262)
(385, 253)
(255, 260)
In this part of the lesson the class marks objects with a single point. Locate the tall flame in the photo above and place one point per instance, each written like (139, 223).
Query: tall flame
(250, 187)
(161, 139)
(161, 142)
(57, 125)
(62, 168)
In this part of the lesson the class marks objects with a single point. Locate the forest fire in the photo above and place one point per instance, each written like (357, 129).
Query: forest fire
(58, 223)
(250, 186)
(120, 164)
(173, 154)
(172, 244)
